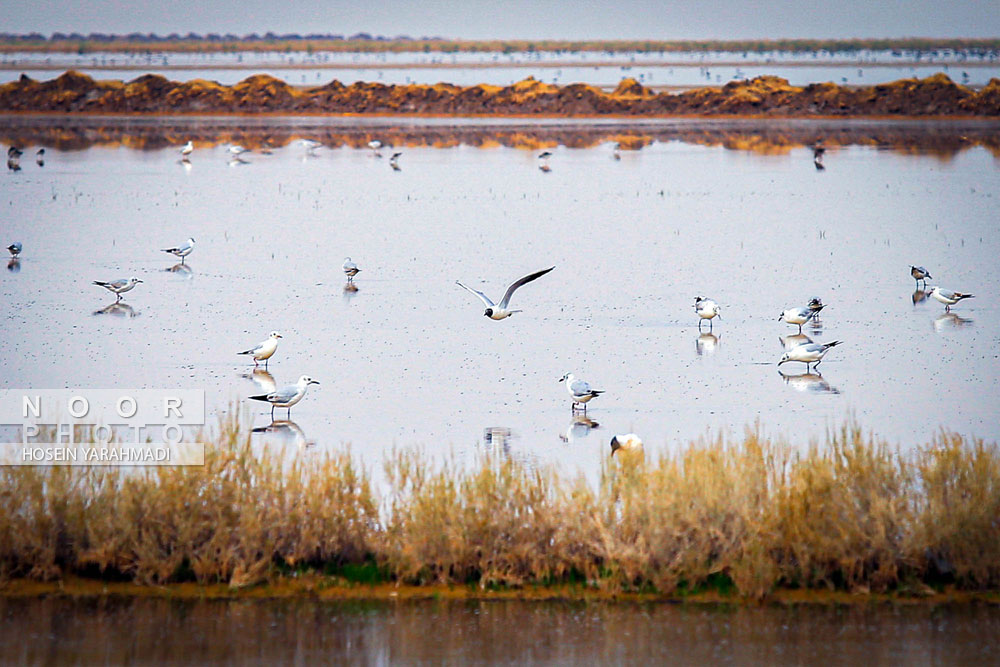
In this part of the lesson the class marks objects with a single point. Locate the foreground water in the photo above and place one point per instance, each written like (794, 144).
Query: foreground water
(734, 211)
(54, 631)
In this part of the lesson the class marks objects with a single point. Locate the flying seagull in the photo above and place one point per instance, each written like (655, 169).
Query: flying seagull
(264, 351)
(808, 353)
(499, 311)
(183, 250)
(119, 286)
(947, 297)
(579, 391)
(288, 396)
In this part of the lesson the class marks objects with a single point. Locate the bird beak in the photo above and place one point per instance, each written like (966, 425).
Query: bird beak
(782, 361)
(313, 381)
(139, 281)
(280, 336)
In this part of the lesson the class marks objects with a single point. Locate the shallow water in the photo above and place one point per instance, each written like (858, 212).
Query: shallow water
(139, 631)
(733, 211)
(656, 69)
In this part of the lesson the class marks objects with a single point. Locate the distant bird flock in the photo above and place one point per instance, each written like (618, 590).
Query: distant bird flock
(798, 347)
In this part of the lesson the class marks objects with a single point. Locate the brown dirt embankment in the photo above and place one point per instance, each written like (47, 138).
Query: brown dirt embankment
(764, 96)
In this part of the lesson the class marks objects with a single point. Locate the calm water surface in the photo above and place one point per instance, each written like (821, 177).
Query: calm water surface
(408, 358)
(138, 631)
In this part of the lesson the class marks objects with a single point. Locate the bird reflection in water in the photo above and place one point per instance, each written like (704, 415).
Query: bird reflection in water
(544, 168)
(183, 270)
(287, 431)
(808, 381)
(794, 340)
(706, 343)
(950, 321)
(498, 436)
(118, 308)
(14, 265)
(350, 290)
(579, 428)
(263, 380)
(919, 296)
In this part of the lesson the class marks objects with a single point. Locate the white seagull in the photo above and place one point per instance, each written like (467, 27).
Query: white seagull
(499, 311)
(119, 286)
(238, 150)
(375, 144)
(947, 297)
(265, 350)
(808, 353)
(579, 391)
(629, 442)
(183, 250)
(920, 274)
(187, 149)
(310, 145)
(707, 309)
(800, 316)
(288, 396)
(351, 269)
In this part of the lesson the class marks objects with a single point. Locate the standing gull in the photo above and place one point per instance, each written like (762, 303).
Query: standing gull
(947, 297)
(920, 274)
(288, 396)
(119, 286)
(310, 145)
(579, 391)
(799, 316)
(499, 311)
(183, 250)
(187, 149)
(375, 144)
(808, 353)
(40, 157)
(265, 350)
(707, 309)
(14, 249)
(351, 269)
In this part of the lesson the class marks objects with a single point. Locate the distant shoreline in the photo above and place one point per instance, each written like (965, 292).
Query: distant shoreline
(358, 43)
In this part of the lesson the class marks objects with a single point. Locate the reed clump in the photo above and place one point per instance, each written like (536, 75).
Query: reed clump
(746, 516)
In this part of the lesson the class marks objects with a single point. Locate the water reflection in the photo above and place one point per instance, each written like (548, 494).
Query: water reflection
(808, 381)
(350, 291)
(579, 427)
(119, 309)
(287, 432)
(706, 343)
(919, 296)
(183, 270)
(262, 379)
(950, 321)
(14, 265)
(498, 436)
(794, 340)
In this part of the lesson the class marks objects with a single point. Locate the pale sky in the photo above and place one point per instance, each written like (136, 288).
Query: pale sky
(531, 19)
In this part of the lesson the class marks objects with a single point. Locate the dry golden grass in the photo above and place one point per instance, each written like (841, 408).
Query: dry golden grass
(749, 516)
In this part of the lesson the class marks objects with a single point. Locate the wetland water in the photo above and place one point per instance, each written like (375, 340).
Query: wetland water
(731, 210)
(54, 631)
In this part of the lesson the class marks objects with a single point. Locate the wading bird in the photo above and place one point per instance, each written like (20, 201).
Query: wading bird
(947, 297)
(579, 391)
(808, 353)
(119, 286)
(800, 316)
(264, 351)
(288, 396)
(350, 269)
(183, 250)
(920, 274)
(707, 309)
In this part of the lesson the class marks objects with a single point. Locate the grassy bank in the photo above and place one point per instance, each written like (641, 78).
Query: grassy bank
(752, 519)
